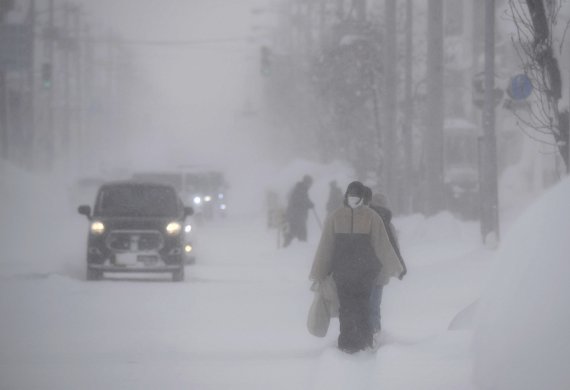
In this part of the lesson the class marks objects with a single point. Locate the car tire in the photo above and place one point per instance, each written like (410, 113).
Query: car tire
(178, 276)
(93, 274)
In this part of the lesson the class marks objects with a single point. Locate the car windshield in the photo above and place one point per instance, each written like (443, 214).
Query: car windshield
(137, 201)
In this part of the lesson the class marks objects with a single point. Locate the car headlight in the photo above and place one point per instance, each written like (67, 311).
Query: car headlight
(173, 228)
(97, 228)
(197, 200)
(188, 228)
(222, 207)
(207, 198)
(187, 248)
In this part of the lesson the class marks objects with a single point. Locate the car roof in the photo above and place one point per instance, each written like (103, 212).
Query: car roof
(136, 183)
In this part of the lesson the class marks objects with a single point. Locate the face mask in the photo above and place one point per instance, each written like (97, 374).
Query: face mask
(354, 201)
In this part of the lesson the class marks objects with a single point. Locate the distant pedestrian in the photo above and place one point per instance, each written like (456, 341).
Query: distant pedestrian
(336, 197)
(297, 211)
(379, 204)
(356, 250)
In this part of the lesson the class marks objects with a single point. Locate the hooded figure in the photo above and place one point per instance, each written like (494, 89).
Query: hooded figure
(355, 249)
(335, 197)
(298, 211)
(379, 204)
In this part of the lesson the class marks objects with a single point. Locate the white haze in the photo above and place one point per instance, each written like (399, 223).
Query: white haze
(189, 109)
(238, 320)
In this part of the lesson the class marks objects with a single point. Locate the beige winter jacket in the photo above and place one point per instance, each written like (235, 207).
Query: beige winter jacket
(365, 221)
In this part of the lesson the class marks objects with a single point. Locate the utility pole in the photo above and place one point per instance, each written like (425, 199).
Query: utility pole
(390, 103)
(66, 133)
(88, 75)
(50, 136)
(435, 110)
(111, 82)
(4, 139)
(490, 217)
(30, 149)
(78, 101)
(408, 111)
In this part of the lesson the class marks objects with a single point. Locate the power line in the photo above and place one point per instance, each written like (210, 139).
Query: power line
(171, 43)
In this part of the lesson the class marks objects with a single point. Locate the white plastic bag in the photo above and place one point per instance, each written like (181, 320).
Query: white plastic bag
(319, 318)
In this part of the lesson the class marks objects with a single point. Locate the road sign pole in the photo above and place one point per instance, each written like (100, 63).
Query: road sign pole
(490, 170)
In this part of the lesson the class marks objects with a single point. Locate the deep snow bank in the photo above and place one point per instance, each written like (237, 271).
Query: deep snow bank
(40, 230)
(522, 337)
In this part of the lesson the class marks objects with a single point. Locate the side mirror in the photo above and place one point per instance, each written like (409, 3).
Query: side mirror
(188, 211)
(84, 210)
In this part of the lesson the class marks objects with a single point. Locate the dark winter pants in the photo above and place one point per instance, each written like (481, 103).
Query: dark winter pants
(354, 318)
(375, 301)
(297, 229)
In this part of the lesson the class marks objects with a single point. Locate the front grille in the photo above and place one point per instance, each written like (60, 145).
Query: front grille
(134, 240)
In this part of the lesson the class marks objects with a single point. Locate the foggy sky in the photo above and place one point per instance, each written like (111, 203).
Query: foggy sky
(192, 108)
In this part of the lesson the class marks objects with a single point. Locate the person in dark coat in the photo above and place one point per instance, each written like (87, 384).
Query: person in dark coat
(354, 248)
(298, 211)
(378, 203)
(336, 197)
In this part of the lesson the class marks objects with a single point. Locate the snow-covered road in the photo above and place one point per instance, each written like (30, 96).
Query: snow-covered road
(238, 320)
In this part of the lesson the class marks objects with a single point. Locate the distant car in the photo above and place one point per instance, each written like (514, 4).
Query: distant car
(207, 189)
(136, 227)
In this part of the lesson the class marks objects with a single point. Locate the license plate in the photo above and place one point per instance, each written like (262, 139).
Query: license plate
(147, 260)
(125, 260)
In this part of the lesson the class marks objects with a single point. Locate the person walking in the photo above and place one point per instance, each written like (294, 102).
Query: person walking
(378, 203)
(355, 248)
(336, 197)
(297, 211)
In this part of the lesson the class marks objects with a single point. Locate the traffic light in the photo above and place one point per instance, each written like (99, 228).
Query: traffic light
(266, 61)
(47, 75)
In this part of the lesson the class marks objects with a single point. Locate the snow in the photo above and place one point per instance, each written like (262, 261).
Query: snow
(521, 339)
(239, 319)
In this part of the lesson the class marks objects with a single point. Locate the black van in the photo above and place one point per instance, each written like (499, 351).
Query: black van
(136, 227)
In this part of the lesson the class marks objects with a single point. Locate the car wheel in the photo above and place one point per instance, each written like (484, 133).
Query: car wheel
(93, 274)
(178, 276)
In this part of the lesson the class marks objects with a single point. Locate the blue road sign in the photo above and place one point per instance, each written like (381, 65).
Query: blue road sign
(520, 87)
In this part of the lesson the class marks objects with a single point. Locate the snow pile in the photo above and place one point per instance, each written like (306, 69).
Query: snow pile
(41, 230)
(521, 339)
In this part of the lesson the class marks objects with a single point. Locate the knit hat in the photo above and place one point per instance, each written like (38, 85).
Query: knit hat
(355, 188)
